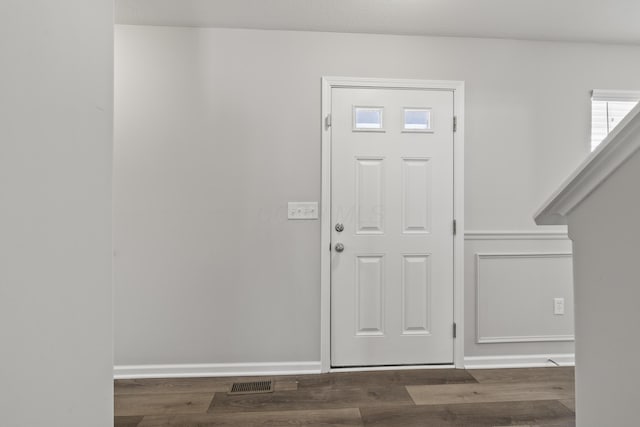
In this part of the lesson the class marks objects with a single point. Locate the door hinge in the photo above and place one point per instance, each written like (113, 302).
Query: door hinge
(455, 330)
(455, 227)
(327, 121)
(455, 123)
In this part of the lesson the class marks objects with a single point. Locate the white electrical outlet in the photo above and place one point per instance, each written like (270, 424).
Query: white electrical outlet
(302, 210)
(558, 306)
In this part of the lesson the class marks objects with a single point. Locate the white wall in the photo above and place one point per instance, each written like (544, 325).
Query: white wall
(217, 129)
(56, 103)
(605, 232)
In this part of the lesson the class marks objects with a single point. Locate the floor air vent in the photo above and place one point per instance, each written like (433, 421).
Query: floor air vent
(252, 387)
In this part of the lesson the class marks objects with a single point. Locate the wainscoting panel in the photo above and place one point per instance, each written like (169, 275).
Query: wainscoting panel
(511, 281)
(515, 295)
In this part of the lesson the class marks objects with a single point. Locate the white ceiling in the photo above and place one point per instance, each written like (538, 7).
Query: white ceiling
(607, 21)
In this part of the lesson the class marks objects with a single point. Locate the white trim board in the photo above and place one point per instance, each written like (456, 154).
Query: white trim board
(615, 95)
(391, 368)
(615, 149)
(516, 235)
(214, 370)
(520, 361)
(325, 238)
(525, 338)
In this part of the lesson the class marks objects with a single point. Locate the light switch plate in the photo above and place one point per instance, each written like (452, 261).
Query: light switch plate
(302, 210)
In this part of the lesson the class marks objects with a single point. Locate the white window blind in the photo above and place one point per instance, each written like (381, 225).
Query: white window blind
(608, 108)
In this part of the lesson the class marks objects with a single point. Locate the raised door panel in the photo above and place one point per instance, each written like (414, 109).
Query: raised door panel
(416, 294)
(370, 196)
(416, 196)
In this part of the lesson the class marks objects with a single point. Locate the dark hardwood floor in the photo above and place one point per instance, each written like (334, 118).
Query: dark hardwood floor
(430, 397)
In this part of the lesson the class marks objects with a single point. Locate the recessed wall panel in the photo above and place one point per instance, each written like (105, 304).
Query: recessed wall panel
(369, 295)
(522, 287)
(369, 196)
(416, 196)
(416, 292)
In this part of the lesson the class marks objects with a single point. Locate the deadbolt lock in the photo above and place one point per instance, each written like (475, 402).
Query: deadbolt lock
(339, 227)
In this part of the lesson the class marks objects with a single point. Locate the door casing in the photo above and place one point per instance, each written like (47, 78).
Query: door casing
(328, 83)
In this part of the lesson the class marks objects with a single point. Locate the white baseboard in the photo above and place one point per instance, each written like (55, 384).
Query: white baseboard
(521, 361)
(391, 368)
(301, 368)
(214, 370)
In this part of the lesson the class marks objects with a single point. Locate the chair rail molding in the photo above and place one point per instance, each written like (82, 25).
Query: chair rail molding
(516, 234)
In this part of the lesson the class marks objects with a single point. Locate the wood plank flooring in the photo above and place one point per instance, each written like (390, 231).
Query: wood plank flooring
(431, 397)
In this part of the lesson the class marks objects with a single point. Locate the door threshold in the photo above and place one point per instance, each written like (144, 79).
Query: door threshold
(390, 368)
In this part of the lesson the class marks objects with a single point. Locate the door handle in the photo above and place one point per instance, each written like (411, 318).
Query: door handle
(339, 247)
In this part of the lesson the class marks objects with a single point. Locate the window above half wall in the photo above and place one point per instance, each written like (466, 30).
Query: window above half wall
(608, 108)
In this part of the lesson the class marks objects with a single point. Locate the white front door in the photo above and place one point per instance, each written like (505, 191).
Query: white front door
(392, 226)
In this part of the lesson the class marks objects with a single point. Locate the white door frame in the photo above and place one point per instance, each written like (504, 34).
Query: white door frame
(457, 87)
